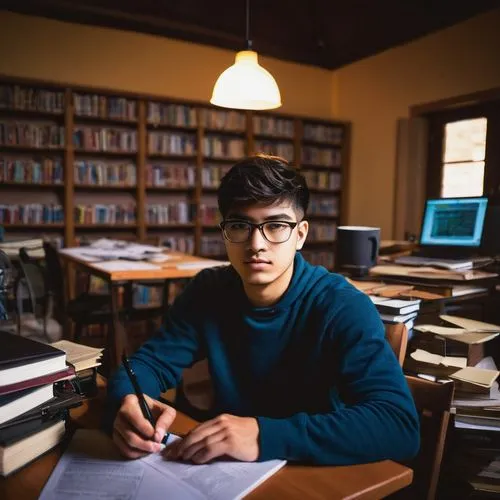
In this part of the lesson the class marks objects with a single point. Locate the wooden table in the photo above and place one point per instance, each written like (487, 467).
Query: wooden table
(177, 267)
(366, 481)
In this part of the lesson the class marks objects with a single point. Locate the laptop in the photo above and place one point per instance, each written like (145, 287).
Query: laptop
(451, 233)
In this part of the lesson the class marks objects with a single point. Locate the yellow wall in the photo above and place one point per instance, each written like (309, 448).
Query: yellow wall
(39, 48)
(375, 92)
(372, 93)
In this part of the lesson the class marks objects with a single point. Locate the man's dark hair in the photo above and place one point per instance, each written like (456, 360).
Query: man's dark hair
(262, 179)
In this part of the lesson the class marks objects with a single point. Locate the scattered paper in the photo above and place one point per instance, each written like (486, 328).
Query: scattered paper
(125, 265)
(471, 324)
(476, 376)
(436, 359)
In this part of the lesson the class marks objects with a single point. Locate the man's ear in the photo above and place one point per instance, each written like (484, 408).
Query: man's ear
(302, 230)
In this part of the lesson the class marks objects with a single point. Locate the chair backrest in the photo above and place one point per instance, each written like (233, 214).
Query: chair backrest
(55, 274)
(433, 401)
(397, 336)
(33, 279)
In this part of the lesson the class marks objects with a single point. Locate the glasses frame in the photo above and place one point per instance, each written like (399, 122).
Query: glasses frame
(260, 227)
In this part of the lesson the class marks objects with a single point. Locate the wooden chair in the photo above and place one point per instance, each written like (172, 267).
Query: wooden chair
(433, 401)
(397, 336)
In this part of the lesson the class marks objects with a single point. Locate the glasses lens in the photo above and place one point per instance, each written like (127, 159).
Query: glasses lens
(237, 232)
(277, 232)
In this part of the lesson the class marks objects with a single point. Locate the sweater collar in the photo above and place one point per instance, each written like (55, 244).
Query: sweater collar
(296, 286)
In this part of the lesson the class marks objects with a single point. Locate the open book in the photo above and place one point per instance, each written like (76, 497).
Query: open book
(92, 468)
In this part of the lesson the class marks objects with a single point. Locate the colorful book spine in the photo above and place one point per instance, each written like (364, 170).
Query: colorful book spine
(16, 97)
(33, 135)
(169, 143)
(175, 212)
(321, 205)
(211, 175)
(105, 139)
(31, 213)
(283, 149)
(175, 115)
(233, 121)
(273, 127)
(223, 147)
(99, 106)
(31, 171)
(105, 214)
(170, 175)
(100, 173)
(323, 133)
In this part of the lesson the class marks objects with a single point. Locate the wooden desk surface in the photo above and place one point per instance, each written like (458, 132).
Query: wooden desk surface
(165, 270)
(366, 481)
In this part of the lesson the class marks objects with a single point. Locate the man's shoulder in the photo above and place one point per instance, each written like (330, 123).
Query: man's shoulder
(333, 291)
(218, 277)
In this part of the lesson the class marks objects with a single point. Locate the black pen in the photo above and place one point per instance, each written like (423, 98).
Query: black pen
(146, 412)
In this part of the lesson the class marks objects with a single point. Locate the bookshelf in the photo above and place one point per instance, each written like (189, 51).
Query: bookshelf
(81, 163)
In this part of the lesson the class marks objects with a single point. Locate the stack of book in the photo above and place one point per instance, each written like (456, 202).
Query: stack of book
(397, 310)
(33, 404)
(85, 360)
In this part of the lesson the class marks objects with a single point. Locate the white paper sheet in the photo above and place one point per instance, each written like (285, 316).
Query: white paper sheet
(125, 265)
(91, 469)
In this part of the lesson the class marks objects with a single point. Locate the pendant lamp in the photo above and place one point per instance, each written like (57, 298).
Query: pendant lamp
(246, 84)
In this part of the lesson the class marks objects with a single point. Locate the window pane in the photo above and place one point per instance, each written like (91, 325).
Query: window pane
(465, 140)
(462, 179)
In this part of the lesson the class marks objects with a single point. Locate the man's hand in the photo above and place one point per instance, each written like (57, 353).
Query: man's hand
(133, 434)
(236, 437)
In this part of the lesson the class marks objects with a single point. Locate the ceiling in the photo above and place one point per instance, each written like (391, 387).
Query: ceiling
(327, 34)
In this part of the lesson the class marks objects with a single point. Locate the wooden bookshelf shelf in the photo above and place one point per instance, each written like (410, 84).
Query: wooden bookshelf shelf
(170, 226)
(117, 154)
(27, 225)
(99, 187)
(30, 185)
(216, 131)
(106, 227)
(18, 148)
(160, 156)
(166, 126)
(220, 159)
(265, 137)
(103, 121)
(236, 133)
(25, 114)
(177, 189)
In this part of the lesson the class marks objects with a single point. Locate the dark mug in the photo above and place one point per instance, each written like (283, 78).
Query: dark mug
(356, 249)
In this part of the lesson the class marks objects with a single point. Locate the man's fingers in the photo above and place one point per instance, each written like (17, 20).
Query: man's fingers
(206, 454)
(164, 421)
(124, 448)
(198, 434)
(134, 440)
(131, 412)
(204, 444)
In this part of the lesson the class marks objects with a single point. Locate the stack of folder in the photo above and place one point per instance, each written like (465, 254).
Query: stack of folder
(34, 399)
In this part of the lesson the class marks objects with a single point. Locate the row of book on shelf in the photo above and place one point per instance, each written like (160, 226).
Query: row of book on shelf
(123, 140)
(39, 383)
(92, 105)
(176, 211)
(48, 170)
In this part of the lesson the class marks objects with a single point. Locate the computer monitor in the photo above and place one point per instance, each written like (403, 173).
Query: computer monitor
(454, 222)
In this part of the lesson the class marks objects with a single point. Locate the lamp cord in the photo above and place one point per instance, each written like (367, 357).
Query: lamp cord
(249, 42)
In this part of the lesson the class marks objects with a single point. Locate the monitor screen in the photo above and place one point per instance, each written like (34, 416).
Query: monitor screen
(454, 222)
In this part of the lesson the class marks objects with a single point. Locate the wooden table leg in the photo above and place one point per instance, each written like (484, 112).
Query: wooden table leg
(118, 343)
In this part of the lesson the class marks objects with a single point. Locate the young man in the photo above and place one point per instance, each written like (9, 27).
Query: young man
(298, 357)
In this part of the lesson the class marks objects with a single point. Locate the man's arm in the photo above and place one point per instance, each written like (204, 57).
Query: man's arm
(379, 422)
(159, 363)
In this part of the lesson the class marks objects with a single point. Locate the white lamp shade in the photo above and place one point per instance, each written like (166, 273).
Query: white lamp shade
(246, 85)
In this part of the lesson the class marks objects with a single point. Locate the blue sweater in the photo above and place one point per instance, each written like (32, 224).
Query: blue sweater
(314, 369)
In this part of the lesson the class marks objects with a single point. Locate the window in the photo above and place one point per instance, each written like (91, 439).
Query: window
(464, 151)
(463, 158)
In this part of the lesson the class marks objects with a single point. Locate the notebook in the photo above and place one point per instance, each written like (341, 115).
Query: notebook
(92, 468)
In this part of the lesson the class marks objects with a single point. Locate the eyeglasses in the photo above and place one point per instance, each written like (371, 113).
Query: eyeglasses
(275, 231)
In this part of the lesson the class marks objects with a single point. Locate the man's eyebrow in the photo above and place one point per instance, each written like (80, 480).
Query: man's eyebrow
(238, 216)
